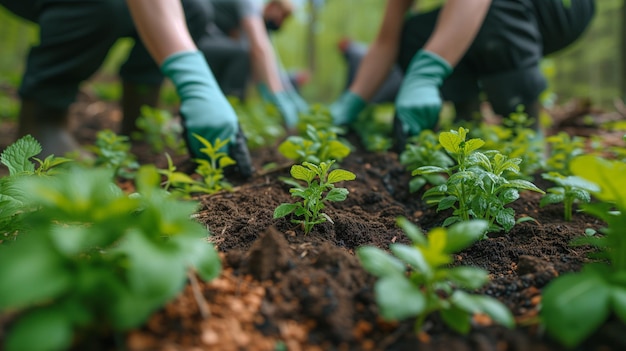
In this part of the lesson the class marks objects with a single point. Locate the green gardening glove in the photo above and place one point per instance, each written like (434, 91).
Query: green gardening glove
(283, 102)
(347, 108)
(204, 108)
(418, 102)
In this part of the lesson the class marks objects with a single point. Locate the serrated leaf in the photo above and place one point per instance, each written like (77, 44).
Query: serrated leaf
(17, 155)
(379, 263)
(397, 298)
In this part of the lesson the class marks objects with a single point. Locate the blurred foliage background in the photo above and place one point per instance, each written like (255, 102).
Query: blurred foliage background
(592, 67)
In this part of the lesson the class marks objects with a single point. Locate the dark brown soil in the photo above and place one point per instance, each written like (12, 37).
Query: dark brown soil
(282, 289)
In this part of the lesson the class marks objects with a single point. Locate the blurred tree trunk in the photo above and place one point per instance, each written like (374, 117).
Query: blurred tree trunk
(311, 47)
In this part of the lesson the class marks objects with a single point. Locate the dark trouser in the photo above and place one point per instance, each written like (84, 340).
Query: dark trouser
(75, 37)
(503, 61)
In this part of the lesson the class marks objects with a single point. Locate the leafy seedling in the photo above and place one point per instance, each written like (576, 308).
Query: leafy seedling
(574, 305)
(316, 146)
(212, 167)
(320, 188)
(113, 151)
(95, 259)
(479, 185)
(159, 129)
(416, 280)
(562, 150)
(567, 191)
(425, 150)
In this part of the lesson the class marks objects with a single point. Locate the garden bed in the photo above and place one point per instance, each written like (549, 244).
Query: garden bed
(281, 289)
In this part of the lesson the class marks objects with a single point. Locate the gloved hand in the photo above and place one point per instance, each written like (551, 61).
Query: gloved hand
(283, 102)
(204, 108)
(418, 102)
(347, 108)
(301, 105)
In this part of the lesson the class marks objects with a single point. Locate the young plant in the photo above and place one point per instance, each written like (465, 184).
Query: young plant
(479, 186)
(113, 151)
(562, 150)
(316, 146)
(574, 305)
(568, 190)
(159, 129)
(17, 158)
(178, 183)
(319, 188)
(417, 280)
(425, 150)
(212, 167)
(95, 260)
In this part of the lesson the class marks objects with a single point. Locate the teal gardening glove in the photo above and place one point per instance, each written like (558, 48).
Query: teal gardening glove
(204, 108)
(418, 102)
(283, 102)
(347, 108)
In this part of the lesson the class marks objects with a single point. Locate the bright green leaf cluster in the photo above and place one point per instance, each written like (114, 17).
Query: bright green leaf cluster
(320, 188)
(316, 146)
(562, 150)
(431, 285)
(425, 150)
(479, 185)
(575, 304)
(95, 258)
(568, 190)
(113, 151)
(158, 128)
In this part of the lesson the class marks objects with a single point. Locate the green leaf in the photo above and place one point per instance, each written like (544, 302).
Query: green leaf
(551, 198)
(450, 141)
(473, 144)
(574, 306)
(284, 209)
(379, 263)
(17, 155)
(468, 277)
(413, 257)
(339, 175)
(302, 173)
(411, 230)
(397, 298)
(495, 309)
(506, 218)
(337, 194)
(429, 170)
(457, 319)
(522, 185)
(200, 255)
(618, 301)
(226, 161)
(31, 272)
(463, 234)
(43, 329)
(604, 173)
(447, 202)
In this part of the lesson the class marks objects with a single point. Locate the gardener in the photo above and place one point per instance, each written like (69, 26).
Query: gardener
(460, 50)
(74, 39)
(238, 42)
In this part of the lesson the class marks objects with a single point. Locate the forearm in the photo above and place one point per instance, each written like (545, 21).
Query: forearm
(265, 67)
(161, 26)
(458, 23)
(382, 54)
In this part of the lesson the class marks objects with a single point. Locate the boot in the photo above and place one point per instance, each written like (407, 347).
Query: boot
(49, 126)
(134, 96)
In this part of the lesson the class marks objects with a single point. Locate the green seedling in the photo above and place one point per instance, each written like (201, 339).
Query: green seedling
(113, 151)
(261, 123)
(95, 260)
(320, 118)
(374, 125)
(575, 305)
(17, 158)
(211, 168)
(319, 189)
(425, 150)
(316, 146)
(516, 139)
(562, 150)
(159, 129)
(416, 280)
(479, 185)
(568, 190)
(178, 183)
